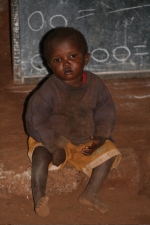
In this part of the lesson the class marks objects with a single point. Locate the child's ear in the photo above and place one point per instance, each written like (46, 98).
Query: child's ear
(87, 58)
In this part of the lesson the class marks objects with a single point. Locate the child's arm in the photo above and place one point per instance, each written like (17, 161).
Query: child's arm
(104, 114)
(104, 118)
(37, 120)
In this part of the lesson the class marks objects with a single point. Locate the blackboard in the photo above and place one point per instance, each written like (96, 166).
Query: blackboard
(117, 33)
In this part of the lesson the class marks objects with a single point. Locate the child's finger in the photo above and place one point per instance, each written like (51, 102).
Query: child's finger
(85, 152)
(88, 150)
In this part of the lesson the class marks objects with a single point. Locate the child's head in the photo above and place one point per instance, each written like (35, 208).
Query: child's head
(66, 52)
(65, 33)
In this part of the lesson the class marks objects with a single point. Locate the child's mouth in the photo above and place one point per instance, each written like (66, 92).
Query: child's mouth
(68, 71)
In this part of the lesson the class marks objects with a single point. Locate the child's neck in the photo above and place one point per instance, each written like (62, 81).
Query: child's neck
(78, 81)
(74, 83)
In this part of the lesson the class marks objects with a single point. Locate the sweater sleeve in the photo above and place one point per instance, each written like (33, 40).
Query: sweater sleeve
(37, 120)
(104, 114)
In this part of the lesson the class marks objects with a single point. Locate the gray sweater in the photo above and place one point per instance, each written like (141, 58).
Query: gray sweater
(57, 110)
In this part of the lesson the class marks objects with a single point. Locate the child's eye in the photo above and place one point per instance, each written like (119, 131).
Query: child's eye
(57, 60)
(73, 56)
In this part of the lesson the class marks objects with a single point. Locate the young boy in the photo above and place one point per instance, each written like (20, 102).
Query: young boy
(70, 118)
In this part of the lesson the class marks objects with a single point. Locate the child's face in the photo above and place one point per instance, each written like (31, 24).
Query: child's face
(67, 62)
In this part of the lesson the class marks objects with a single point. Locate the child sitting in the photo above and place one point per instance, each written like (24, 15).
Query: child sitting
(70, 119)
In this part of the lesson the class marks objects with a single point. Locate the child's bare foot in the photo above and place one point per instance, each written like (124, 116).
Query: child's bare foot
(91, 199)
(41, 207)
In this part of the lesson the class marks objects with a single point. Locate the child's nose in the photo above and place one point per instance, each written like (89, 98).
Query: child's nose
(66, 62)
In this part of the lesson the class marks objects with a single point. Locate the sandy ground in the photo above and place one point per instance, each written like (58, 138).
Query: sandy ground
(128, 204)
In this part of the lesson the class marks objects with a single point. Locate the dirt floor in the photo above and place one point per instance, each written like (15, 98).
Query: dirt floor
(128, 204)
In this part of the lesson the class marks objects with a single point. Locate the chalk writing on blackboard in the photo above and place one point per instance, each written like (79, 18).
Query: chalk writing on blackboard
(117, 33)
(58, 17)
(85, 10)
(41, 17)
(35, 60)
(131, 8)
(37, 63)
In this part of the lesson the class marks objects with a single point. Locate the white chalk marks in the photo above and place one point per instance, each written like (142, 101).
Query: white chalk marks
(90, 14)
(86, 10)
(36, 21)
(99, 54)
(122, 59)
(103, 54)
(36, 62)
(120, 54)
(141, 53)
(131, 8)
(86, 15)
(104, 57)
(54, 20)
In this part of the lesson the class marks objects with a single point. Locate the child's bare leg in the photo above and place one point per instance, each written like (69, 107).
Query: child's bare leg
(99, 174)
(40, 161)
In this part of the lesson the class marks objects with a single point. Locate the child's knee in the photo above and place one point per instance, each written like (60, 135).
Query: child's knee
(41, 152)
(59, 156)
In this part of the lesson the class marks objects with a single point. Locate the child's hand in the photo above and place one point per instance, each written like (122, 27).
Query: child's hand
(97, 142)
(59, 156)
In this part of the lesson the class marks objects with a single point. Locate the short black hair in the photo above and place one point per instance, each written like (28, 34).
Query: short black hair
(61, 33)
